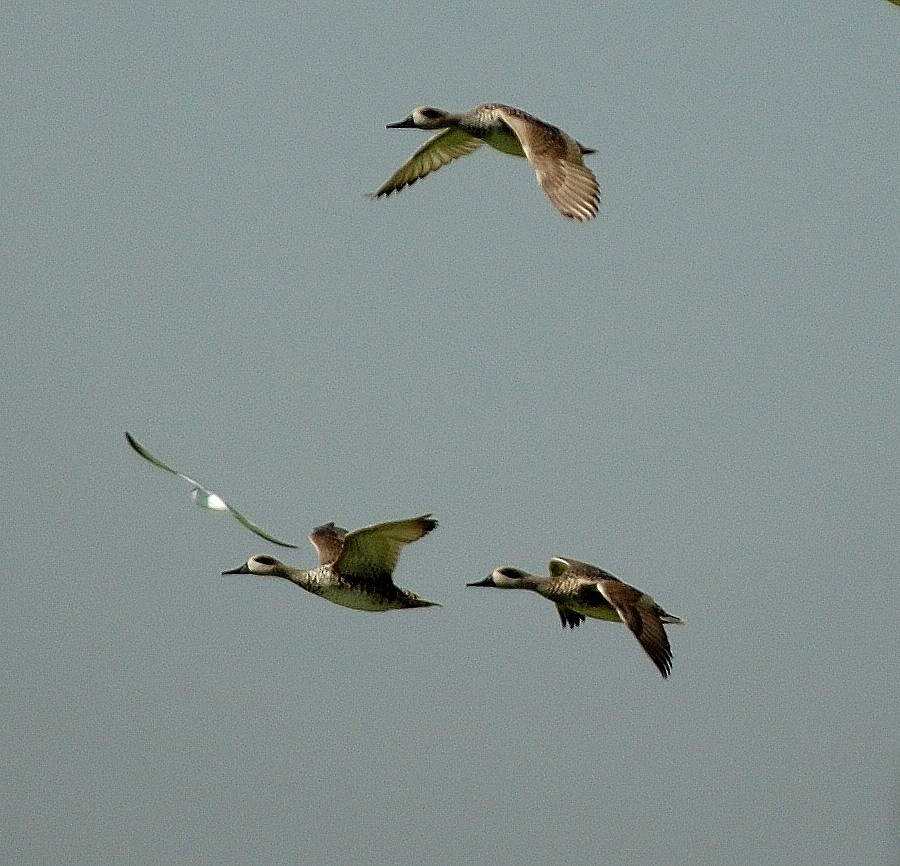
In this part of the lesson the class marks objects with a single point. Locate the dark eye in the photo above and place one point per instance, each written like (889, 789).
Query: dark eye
(431, 113)
(265, 560)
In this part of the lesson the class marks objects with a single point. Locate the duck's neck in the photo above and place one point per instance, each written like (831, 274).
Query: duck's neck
(300, 576)
(532, 582)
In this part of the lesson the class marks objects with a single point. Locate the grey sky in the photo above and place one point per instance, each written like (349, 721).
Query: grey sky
(698, 391)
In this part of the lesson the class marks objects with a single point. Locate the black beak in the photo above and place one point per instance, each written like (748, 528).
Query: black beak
(240, 570)
(488, 581)
(403, 124)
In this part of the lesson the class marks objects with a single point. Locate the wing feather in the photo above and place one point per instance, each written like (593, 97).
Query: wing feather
(371, 553)
(328, 540)
(205, 497)
(438, 151)
(642, 615)
(558, 162)
(569, 617)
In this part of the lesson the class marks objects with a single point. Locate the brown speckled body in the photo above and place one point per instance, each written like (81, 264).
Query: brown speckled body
(355, 568)
(580, 590)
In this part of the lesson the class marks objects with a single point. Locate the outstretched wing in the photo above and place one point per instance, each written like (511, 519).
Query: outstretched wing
(253, 527)
(642, 615)
(371, 553)
(150, 458)
(438, 151)
(204, 497)
(557, 160)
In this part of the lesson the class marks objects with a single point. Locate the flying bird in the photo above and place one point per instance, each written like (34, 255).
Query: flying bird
(355, 568)
(205, 498)
(556, 157)
(580, 590)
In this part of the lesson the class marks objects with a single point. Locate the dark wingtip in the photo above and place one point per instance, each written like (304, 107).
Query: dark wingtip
(136, 446)
(664, 663)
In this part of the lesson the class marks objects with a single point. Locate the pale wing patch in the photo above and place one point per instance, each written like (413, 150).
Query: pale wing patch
(204, 498)
(437, 152)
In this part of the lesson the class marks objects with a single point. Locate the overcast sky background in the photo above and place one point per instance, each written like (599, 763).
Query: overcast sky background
(698, 391)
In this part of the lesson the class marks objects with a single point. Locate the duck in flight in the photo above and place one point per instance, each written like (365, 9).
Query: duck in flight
(355, 568)
(580, 590)
(556, 157)
(205, 498)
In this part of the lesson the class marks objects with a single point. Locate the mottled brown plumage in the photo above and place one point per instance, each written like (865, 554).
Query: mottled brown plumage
(557, 158)
(355, 568)
(328, 541)
(580, 590)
